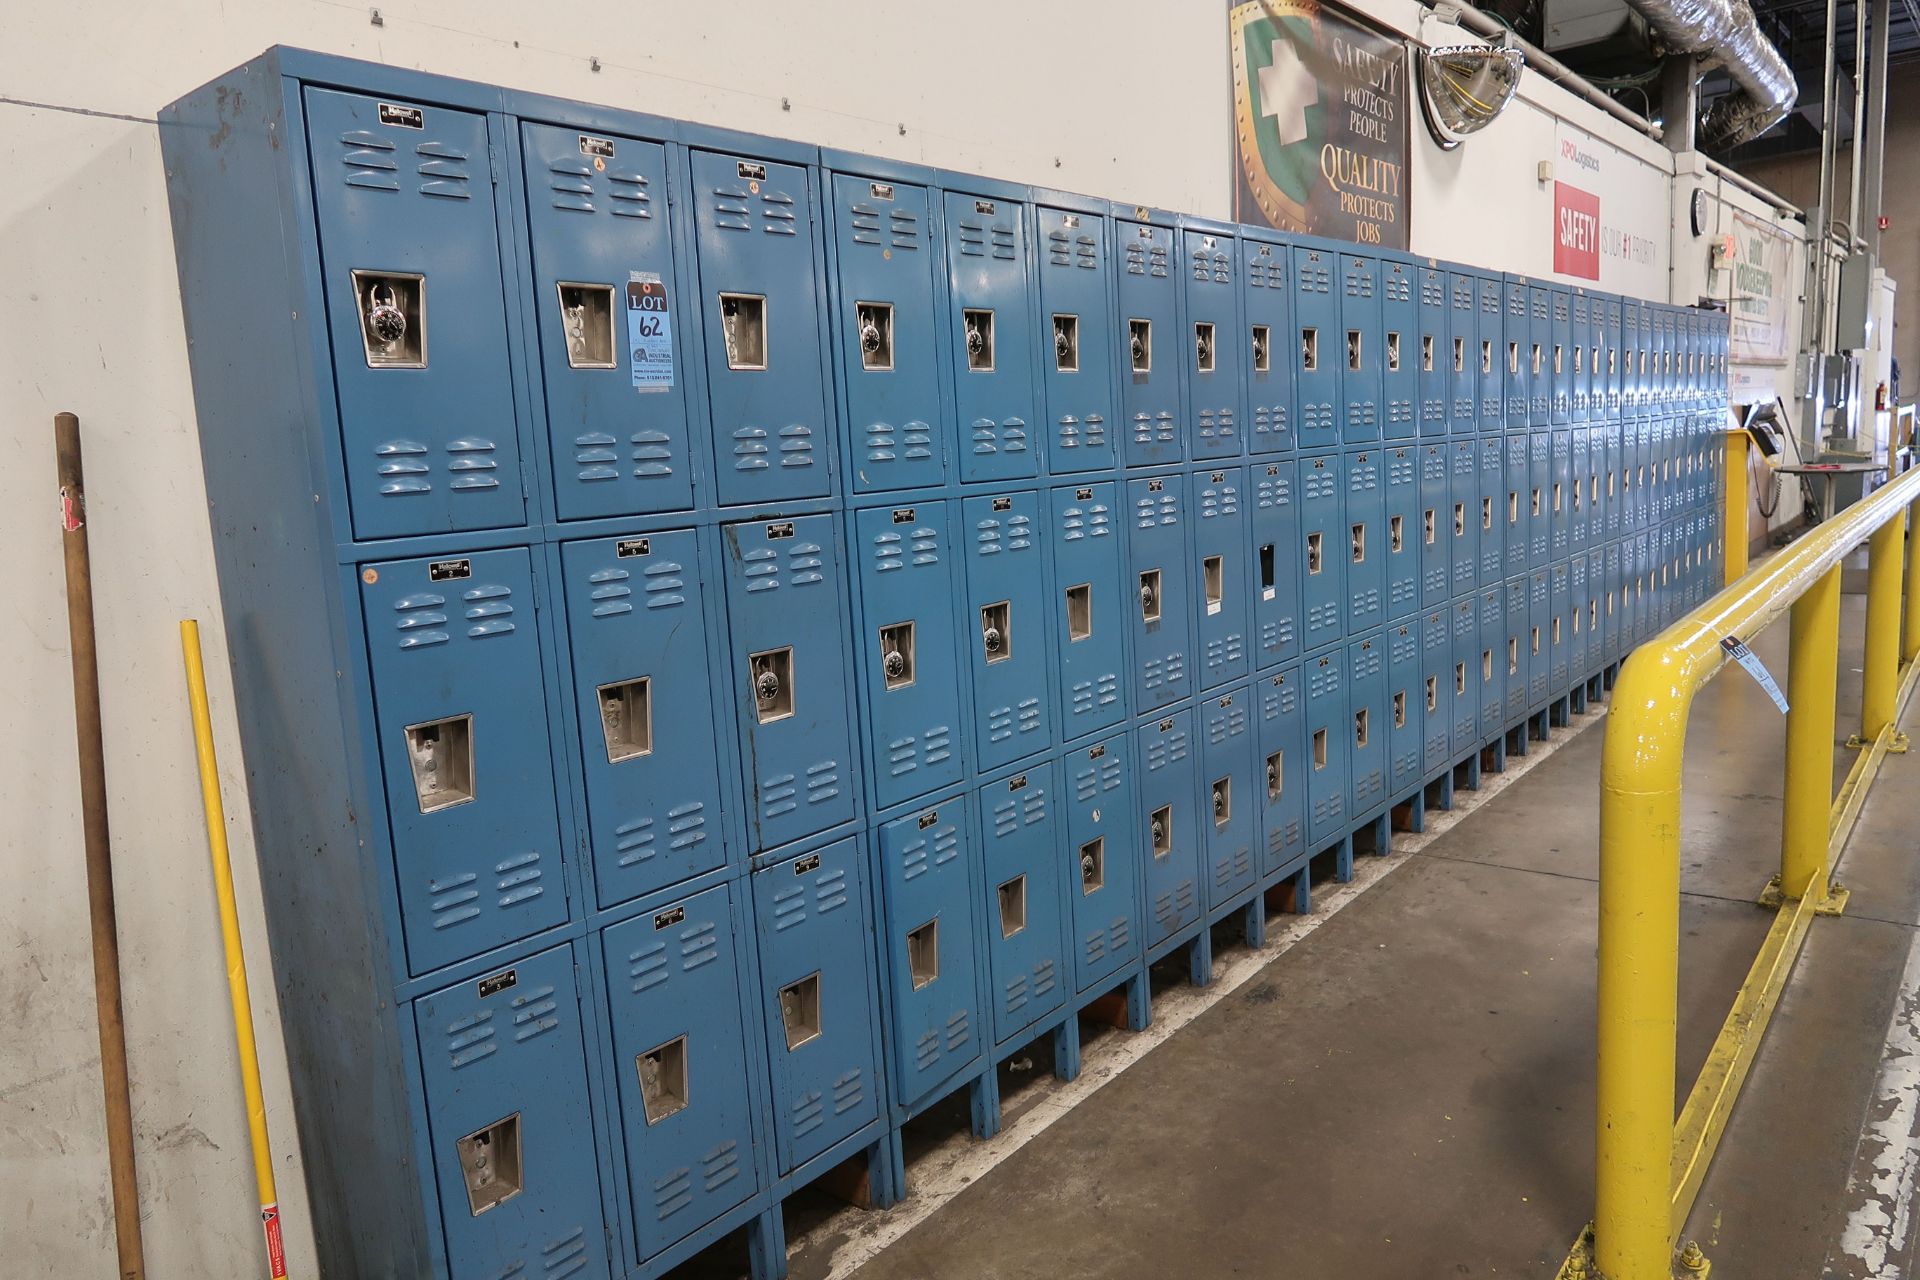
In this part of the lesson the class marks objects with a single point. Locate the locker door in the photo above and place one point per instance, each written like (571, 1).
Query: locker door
(1163, 605)
(1151, 351)
(1323, 550)
(1619, 453)
(760, 314)
(1169, 791)
(1432, 356)
(932, 987)
(990, 337)
(1024, 908)
(1581, 615)
(1090, 599)
(1316, 310)
(604, 283)
(1463, 526)
(909, 635)
(426, 411)
(1632, 356)
(885, 334)
(1329, 731)
(1436, 693)
(1400, 362)
(1216, 356)
(1580, 488)
(1268, 303)
(1282, 751)
(818, 999)
(1615, 604)
(1560, 494)
(515, 1165)
(1434, 529)
(1492, 356)
(1560, 387)
(1611, 338)
(1220, 541)
(1519, 354)
(1580, 350)
(461, 713)
(1560, 641)
(1402, 531)
(1103, 879)
(1362, 391)
(1495, 661)
(1517, 506)
(1363, 541)
(1463, 352)
(1406, 708)
(1276, 569)
(1229, 821)
(680, 1057)
(1469, 680)
(1536, 646)
(1368, 724)
(1007, 597)
(1496, 513)
(1076, 269)
(649, 755)
(788, 664)
(1537, 498)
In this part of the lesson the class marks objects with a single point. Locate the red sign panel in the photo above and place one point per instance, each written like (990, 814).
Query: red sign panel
(1576, 232)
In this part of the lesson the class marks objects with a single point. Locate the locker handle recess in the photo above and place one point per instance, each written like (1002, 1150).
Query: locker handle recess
(1262, 349)
(1313, 553)
(1359, 534)
(1460, 679)
(1093, 865)
(663, 1079)
(1140, 345)
(626, 718)
(743, 327)
(1309, 349)
(1079, 612)
(440, 753)
(1427, 525)
(1393, 351)
(586, 318)
(393, 318)
(772, 674)
(875, 322)
(1433, 691)
(1066, 342)
(800, 1010)
(1426, 353)
(1213, 573)
(1396, 534)
(923, 953)
(1266, 571)
(896, 655)
(1400, 709)
(1353, 350)
(1362, 726)
(1161, 826)
(1150, 596)
(1459, 355)
(1276, 774)
(996, 631)
(1319, 749)
(1203, 346)
(1223, 801)
(1013, 906)
(978, 323)
(490, 1164)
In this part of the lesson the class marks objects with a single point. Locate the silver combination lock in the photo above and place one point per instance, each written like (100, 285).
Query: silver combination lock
(869, 337)
(1139, 351)
(895, 664)
(767, 687)
(992, 638)
(385, 320)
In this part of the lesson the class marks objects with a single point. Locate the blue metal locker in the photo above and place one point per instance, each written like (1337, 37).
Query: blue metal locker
(1092, 599)
(1516, 357)
(1023, 900)
(1323, 550)
(604, 282)
(1560, 636)
(788, 658)
(1583, 616)
(1561, 361)
(1104, 853)
(1076, 299)
(1538, 357)
(1659, 333)
(515, 1164)
(1403, 530)
(908, 638)
(430, 445)
(1434, 530)
(1268, 305)
(1329, 728)
(1610, 341)
(1361, 359)
(1365, 543)
(1169, 793)
(1367, 724)
(648, 743)
(1517, 504)
(686, 1120)
(1560, 500)
(766, 389)
(886, 334)
(1537, 498)
(1220, 542)
(1406, 708)
(1517, 620)
(1400, 362)
(1496, 512)
(990, 336)
(1151, 350)
(1500, 660)
(1007, 597)
(1163, 606)
(1229, 824)
(1463, 351)
(1612, 606)
(1276, 566)
(1436, 691)
(1318, 355)
(933, 995)
(1433, 357)
(1466, 501)
(1536, 641)
(1641, 464)
(1582, 487)
(1633, 354)
(1472, 672)
(1583, 355)
(462, 721)
(1614, 491)
(1216, 387)
(818, 999)
(1282, 750)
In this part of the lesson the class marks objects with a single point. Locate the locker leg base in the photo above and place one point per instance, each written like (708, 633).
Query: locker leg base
(1470, 772)
(1200, 959)
(1254, 922)
(886, 1182)
(983, 1099)
(1494, 755)
(1440, 792)
(1066, 1048)
(1518, 737)
(1577, 700)
(1139, 1001)
(767, 1245)
(1292, 894)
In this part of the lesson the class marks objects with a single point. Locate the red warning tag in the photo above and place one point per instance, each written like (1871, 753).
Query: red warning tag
(276, 1251)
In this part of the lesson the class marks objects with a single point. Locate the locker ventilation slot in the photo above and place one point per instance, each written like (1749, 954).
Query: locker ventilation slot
(1013, 906)
(586, 318)
(393, 318)
(1080, 612)
(441, 755)
(743, 324)
(490, 1164)
(875, 320)
(800, 1010)
(772, 675)
(1093, 864)
(923, 953)
(663, 1080)
(626, 718)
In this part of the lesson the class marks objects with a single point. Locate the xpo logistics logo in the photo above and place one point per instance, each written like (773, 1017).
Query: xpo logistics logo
(1576, 232)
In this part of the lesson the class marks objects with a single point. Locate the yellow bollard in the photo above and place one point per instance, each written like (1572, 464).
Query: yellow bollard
(1911, 648)
(1734, 526)
(1880, 672)
(1812, 672)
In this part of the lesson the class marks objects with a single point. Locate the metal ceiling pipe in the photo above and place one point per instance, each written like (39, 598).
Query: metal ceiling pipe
(1726, 32)
(1461, 13)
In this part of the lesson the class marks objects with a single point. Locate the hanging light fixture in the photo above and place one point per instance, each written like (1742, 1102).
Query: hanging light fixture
(1464, 86)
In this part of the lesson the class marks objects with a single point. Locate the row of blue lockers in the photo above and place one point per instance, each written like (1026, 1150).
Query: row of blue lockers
(636, 325)
(745, 1032)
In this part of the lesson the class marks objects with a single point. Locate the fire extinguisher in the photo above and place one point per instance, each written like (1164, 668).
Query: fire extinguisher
(1880, 398)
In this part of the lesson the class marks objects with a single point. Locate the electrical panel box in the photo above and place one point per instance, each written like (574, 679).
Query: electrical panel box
(1216, 363)
(1267, 303)
(1276, 565)
(1219, 565)
(1151, 348)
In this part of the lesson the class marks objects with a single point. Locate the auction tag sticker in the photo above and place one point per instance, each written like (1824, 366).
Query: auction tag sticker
(649, 332)
(1738, 651)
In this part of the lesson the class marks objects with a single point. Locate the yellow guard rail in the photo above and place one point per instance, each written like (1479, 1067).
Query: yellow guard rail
(1649, 1166)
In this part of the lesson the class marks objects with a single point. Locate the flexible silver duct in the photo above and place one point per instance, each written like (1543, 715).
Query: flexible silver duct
(1726, 31)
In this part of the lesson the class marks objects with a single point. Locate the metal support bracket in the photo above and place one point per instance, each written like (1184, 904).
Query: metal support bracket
(1896, 745)
(1832, 904)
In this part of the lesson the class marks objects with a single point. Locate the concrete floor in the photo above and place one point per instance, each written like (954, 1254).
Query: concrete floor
(1408, 1091)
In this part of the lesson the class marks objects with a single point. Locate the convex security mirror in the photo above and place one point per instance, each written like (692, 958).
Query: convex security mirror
(1463, 87)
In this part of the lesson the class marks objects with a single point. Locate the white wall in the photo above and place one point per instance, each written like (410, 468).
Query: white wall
(1054, 93)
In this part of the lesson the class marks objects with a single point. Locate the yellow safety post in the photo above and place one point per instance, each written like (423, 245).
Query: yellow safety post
(236, 959)
(1880, 672)
(1812, 672)
(1738, 498)
(1910, 648)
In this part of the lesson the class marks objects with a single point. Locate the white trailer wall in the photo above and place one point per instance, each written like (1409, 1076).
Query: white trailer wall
(1128, 98)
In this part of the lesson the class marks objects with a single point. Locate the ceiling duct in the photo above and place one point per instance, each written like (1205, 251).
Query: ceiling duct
(1726, 32)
